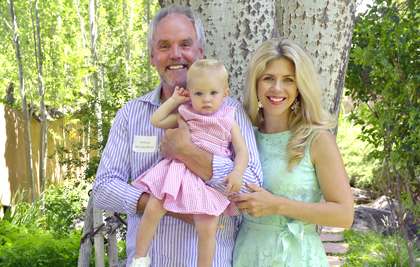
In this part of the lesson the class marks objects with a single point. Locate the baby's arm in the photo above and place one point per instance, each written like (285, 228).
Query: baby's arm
(241, 161)
(163, 117)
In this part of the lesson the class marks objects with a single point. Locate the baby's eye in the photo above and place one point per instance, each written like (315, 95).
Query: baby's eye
(213, 93)
(198, 93)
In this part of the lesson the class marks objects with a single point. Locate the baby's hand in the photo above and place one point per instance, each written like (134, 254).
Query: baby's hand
(234, 184)
(181, 95)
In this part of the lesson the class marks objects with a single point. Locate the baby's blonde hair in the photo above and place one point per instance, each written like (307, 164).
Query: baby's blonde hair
(311, 116)
(208, 67)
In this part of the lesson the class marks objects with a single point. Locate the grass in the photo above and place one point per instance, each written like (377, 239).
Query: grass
(372, 249)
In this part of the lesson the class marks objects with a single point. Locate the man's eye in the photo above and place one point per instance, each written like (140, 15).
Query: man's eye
(185, 45)
(164, 46)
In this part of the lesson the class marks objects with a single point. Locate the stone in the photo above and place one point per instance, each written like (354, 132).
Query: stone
(367, 218)
(361, 196)
(332, 237)
(335, 248)
(382, 203)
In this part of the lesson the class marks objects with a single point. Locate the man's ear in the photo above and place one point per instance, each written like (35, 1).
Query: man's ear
(152, 60)
(201, 52)
(225, 95)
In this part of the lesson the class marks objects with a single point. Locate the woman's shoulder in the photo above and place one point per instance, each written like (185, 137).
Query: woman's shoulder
(322, 143)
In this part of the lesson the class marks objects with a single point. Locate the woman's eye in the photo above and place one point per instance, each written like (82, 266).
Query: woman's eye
(288, 80)
(267, 78)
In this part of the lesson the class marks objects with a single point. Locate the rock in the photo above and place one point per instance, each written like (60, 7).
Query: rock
(382, 203)
(367, 218)
(361, 196)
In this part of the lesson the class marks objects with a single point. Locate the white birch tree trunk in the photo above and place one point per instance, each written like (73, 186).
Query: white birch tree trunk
(27, 119)
(234, 29)
(43, 117)
(325, 29)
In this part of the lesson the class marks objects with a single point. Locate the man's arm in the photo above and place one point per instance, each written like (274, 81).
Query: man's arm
(111, 190)
(176, 144)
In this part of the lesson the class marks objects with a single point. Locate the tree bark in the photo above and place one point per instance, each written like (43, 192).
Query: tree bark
(234, 29)
(325, 29)
(43, 117)
(27, 119)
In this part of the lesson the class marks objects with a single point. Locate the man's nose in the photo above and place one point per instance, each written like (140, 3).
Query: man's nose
(175, 52)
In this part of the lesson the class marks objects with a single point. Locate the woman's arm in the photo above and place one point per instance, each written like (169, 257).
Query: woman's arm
(241, 161)
(163, 118)
(337, 210)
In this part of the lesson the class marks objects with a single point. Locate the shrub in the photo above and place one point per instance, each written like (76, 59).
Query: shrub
(32, 246)
(372, 249)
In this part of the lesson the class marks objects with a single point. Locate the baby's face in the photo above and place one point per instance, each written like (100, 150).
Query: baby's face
(207, 93)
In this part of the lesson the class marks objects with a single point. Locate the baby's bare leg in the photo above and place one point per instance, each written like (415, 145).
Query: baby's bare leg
(206, 226)
(153, 213)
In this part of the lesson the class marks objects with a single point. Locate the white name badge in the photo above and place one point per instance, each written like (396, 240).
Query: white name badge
(144, 143)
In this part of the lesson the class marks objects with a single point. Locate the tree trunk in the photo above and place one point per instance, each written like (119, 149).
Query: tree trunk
(43, 130)
(27, 119)
(325, 29)
(234, 29)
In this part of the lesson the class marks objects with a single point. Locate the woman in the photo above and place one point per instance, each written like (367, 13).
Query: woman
(300, 160)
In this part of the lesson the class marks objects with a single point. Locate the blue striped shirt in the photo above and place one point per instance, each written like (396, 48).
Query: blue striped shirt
(175, 242)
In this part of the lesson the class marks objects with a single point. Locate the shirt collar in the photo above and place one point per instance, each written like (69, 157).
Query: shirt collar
(156, 95)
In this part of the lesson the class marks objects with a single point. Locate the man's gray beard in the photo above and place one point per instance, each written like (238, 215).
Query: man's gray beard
(181, 85)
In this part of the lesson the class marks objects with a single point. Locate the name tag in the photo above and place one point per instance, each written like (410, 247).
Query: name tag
(144, 143)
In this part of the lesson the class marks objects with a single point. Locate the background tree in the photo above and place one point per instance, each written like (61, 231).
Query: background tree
(234, 29)
(384, 81)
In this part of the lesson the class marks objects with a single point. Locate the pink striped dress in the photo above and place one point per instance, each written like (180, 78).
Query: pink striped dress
(182, 190)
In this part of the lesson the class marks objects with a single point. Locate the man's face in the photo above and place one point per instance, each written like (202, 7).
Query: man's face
(175, 49)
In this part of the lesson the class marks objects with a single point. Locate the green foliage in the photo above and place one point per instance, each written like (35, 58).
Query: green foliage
(372, 249)
(32, 246)
(63, 206)
(22, 213)
(360, 166)
(383, 79)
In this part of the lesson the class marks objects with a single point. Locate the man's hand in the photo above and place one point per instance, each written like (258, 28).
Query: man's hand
(234, 180)
(175, 140)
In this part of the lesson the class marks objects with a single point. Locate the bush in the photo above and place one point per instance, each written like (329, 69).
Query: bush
(360, 166)
(63, 206)
(372, 249)
(32, 246)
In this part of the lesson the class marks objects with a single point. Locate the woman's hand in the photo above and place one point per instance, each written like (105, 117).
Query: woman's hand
(258, 203)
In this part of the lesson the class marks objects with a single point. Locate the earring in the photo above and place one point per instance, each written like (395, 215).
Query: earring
(295, 106)
(259, 104)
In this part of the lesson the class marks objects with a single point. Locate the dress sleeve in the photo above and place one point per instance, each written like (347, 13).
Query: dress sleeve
(111, 190)
(223, 166)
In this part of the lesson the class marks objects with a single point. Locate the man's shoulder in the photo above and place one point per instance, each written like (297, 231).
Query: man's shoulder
(233, 102)
(139, 101)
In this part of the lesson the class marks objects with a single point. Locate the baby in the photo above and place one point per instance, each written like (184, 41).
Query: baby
(173, 187)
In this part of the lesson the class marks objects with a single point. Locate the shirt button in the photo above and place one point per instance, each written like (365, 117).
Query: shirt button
(156, 236)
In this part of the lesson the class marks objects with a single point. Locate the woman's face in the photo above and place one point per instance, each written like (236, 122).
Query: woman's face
(277, 89)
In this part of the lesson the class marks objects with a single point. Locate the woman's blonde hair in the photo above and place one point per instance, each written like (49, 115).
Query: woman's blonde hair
(311, 116)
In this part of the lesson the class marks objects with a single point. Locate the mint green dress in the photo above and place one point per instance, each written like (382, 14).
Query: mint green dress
(277, 240)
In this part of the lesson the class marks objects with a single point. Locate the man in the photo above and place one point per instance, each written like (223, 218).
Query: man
(176, 40)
